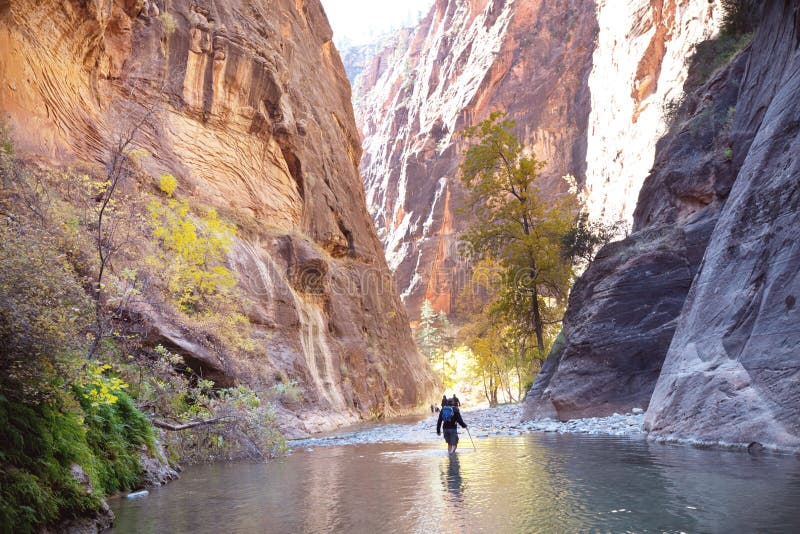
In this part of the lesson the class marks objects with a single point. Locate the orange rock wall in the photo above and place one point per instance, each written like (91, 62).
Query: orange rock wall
(256, 119)
(586, 81)
(465, 60)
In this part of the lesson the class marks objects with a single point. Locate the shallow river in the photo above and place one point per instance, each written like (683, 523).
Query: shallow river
(530, 483)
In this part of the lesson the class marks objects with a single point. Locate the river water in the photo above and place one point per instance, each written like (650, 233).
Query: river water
(530, 483)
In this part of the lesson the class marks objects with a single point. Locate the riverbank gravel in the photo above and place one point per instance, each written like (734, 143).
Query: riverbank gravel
(500, 421)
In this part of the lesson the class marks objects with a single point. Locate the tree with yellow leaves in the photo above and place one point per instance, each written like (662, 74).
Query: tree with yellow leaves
(514, 224)
(193, 249)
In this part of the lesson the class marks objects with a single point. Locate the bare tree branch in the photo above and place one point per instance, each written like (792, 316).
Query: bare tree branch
(191, 424)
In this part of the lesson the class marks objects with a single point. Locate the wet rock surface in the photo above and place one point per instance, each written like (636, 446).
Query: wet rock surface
(156, 469)
(491, 422)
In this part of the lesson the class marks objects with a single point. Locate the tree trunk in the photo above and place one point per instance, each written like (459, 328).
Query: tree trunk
(537, 321)
(504, 385)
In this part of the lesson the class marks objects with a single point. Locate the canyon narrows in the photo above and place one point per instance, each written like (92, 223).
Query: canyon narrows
(586, 82)
(228, 251)
(626, 98)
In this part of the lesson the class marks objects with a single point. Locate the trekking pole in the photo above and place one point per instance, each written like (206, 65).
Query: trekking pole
(470, 438)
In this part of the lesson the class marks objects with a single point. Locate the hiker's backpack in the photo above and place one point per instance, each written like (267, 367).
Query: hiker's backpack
(448, 414)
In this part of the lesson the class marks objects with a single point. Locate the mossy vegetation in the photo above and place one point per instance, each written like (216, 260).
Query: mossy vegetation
(41, 447)
(48, 428)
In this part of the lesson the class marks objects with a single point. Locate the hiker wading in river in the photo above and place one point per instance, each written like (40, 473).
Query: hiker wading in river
(449, 417)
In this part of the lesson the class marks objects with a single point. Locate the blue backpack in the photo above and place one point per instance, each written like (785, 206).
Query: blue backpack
(448, 414)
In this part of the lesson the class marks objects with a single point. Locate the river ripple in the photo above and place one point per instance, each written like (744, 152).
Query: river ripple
(529, 483)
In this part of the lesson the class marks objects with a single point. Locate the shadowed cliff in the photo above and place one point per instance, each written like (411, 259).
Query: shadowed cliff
(692, 314)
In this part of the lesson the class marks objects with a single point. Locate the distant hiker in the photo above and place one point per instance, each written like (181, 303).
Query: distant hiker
(448, 418)
(445, 402)
(456, 402)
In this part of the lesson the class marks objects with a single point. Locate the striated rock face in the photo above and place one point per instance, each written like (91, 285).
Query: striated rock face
(623, 310)
(586, 82)
(356, 58)
(732, 372)
(256, 119)
(694, 315)
(466, 59)
(638, 69)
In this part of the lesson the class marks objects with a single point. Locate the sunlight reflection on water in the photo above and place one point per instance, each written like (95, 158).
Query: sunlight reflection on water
(533, 483)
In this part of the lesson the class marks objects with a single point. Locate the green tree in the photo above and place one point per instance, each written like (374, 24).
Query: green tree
(428, 335)
(512, 222)
(435, 340)
(586, 237)
(502, 347)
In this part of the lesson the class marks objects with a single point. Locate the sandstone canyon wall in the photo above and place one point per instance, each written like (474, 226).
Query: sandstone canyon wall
(693, 316)
(732, 373)
(638, 69)
(586, 82)
(257, 121)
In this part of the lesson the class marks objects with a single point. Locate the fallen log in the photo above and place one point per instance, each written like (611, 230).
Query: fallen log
(190, 424)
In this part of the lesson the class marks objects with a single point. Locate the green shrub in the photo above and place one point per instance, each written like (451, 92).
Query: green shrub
(117, 433)
(39, 444)
(740, 19)
(44, 313)
(37, 447)
(168, 22)
(290, 391)
(711, 55)
(740, 16)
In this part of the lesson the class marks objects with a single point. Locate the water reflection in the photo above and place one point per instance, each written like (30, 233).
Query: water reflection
(536, 483)
(451, 478)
